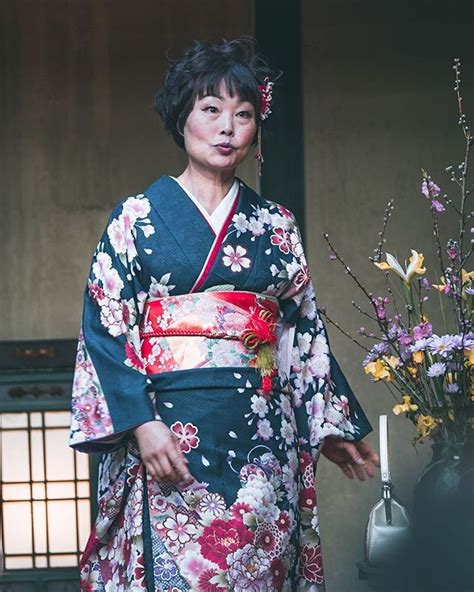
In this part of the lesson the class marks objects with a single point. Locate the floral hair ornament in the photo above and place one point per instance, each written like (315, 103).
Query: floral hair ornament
(265, 89)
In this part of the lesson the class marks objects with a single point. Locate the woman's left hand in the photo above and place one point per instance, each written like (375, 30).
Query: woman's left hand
(351, 456)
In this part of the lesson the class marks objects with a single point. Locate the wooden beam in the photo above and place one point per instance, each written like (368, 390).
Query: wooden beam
(278, 33)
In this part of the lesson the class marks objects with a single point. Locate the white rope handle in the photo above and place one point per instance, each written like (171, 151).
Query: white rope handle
(383, 441)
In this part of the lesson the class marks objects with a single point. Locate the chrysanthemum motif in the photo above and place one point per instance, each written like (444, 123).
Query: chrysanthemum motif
(269, 538)
(234, 258)
(212, 503)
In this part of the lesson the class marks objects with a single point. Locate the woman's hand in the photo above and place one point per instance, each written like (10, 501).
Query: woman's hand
(351, 456)
(161, 453)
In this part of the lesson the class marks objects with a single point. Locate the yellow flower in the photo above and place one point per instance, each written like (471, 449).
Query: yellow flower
(405, 406)
(412, 370)
(440, 287)
(466, 276)
(469, 355)
(418, 357)
(426, 424)
(415, 266)
(378, 370)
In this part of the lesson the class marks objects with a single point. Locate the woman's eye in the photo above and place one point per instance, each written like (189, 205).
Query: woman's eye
(246, 114)
(211, 109)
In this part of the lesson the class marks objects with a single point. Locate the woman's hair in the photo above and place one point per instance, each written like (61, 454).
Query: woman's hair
(201, 70)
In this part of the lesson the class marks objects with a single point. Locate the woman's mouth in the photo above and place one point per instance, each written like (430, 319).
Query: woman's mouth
(224, 149)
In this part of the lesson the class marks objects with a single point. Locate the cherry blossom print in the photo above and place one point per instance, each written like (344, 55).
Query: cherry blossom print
(137, 206)
(102, 264)
(112, 283)
(235, 259)
(187, 435)
(281, 239)
(264, 430)
(240, 222)
(179, 529)
(311, 564)
(221, 538)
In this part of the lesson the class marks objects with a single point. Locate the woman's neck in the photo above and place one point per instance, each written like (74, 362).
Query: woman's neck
(208, 187)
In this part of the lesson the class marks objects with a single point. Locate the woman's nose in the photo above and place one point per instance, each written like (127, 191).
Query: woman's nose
(227, 125)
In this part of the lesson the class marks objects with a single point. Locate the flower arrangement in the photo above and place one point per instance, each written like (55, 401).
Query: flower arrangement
(427, 369)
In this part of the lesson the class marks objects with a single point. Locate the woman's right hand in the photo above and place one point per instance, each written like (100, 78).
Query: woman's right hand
(161, 453)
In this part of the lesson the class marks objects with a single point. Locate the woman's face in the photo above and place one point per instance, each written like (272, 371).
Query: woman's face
(219, 131)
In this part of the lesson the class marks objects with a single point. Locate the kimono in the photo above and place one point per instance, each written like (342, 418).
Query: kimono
(177, 318)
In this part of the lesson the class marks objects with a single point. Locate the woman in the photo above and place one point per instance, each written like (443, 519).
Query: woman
(204, 371)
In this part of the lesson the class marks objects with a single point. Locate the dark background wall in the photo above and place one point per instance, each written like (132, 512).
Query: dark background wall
(77, 80)
(378, 106)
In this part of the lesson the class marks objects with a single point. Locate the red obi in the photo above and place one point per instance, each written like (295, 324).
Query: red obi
(210, 329)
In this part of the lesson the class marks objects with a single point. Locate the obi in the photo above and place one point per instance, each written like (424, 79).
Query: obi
(210, 329)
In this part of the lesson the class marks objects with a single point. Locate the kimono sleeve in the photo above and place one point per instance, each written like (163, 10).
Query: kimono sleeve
(111, 392)
(324, 403)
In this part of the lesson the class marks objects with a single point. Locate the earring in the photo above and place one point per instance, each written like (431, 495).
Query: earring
(258, 153)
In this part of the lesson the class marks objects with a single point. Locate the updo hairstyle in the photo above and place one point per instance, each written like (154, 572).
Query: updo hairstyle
(200, 72)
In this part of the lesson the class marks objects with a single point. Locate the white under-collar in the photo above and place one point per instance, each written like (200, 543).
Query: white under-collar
(219, 215)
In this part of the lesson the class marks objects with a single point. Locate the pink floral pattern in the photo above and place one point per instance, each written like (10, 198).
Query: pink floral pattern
(187, 435)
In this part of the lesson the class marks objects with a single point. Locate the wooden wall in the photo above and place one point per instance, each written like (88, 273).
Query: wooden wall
(77, 81)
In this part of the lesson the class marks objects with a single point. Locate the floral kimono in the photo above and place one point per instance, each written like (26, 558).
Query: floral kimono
(209, 324)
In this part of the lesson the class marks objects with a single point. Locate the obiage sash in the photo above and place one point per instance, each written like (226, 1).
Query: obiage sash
(210, 329)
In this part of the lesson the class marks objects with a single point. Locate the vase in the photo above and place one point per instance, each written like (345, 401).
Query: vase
(444, 519)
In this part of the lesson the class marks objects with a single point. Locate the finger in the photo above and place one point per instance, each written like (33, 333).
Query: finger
(151, 472)
(370, 469)
(168, 471)
(178, 460)
(346, 469)
(360, 472)
(369, 453)
(355, 454)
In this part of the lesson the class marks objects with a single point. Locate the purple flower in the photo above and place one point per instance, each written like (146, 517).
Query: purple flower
(436, 369)
(378, 350)
(404, 339)
(430, 189)
(452, 388)
(425, 284)
(444, 345)
(419, 345)
(470, 291)
(437, 206)
(422, 330)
